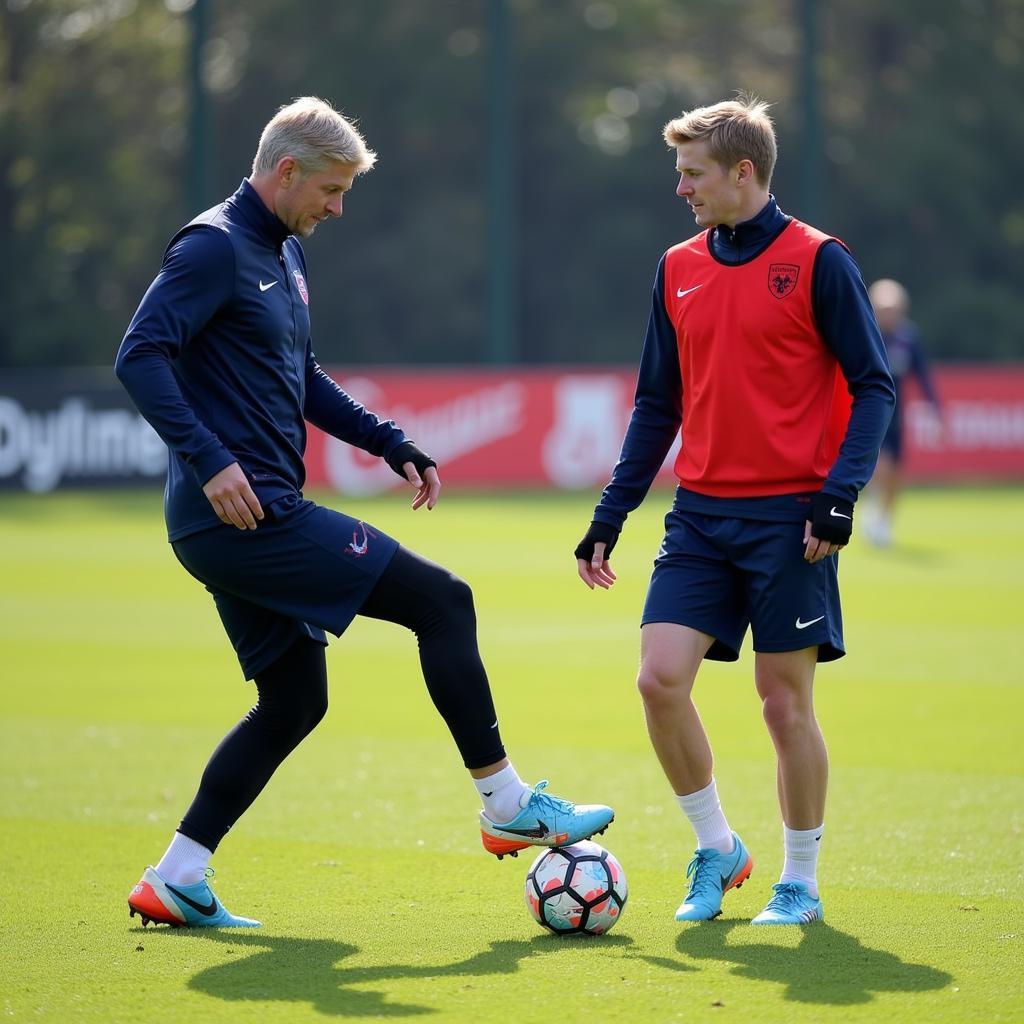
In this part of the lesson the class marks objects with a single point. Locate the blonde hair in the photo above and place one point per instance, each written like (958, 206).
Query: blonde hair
(886, 293)
(314, 133)
(734, 130)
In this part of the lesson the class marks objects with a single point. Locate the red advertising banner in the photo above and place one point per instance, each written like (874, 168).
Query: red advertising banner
(551, 428)
(980, 434)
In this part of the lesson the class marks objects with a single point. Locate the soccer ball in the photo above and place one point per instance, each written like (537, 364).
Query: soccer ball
(576, 890)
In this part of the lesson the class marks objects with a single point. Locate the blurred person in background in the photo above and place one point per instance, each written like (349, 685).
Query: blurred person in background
(906, 357)
(760, 332)
(219, 359)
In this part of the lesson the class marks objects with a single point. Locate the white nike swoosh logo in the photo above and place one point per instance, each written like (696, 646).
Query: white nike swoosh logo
(804, 625)
(264, 287)
(839, 515)
(680, 292)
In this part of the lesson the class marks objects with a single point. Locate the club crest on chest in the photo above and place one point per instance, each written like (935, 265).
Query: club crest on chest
(782, 279)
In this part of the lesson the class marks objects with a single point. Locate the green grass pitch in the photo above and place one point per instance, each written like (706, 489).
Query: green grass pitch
(362, 857)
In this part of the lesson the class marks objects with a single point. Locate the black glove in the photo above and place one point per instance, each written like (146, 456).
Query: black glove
(408, 452)
(596, 533)
(831, 518)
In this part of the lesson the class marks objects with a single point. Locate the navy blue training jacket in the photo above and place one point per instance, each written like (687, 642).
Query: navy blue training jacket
(218, 358)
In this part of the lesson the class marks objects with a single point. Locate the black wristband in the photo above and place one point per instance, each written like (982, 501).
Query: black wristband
(408, 452)
(831, 518)
(596, 533)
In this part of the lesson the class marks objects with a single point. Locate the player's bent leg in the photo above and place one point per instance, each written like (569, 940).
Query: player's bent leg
(181, 906)
(712, 875)
(438, 607)
(791, 903)
(544, 820)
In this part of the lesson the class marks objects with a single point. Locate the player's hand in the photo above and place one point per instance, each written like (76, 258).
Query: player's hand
(814, 549)
(232, 498)
(428, 487)
(420, 470)
(829, 528)
(592, 555)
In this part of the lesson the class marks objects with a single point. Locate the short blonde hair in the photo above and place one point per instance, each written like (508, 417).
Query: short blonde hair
(886, 293)
(314, 133)
(734, 130)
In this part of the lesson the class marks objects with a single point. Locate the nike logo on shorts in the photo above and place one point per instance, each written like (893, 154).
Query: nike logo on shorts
(810, 622)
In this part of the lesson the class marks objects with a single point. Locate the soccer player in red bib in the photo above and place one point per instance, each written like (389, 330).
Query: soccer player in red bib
(763, 351)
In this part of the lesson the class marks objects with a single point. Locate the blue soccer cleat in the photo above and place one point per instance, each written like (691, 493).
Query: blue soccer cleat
(181, 906)
(713, 874)
(791, 904)
(545, 821)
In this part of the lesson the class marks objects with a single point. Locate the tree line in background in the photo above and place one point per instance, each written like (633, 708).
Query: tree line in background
(918, 160)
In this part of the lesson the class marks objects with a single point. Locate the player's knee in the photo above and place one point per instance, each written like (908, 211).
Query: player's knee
(296, 716)
(785, 714)
(302, 720)
(658, 688)
(455, 600)
(460, 594)
(446, 609)
(315, 709)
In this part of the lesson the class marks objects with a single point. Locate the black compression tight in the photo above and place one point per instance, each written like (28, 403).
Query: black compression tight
(292, 698)
(438, 607)
(292, 693)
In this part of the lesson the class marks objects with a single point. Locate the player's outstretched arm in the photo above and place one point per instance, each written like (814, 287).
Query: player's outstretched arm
(592, 555)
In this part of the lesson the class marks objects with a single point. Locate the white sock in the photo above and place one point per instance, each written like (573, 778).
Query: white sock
(705, 813)
(185, 861)
(802, 848)
(501, 794)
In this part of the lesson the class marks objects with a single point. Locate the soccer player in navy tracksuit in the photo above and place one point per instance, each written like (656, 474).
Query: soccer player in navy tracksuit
(760, 334)
(906, 356)
(218, 359)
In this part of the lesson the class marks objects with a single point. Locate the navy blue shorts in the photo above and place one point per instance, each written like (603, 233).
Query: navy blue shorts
(718, 575)
(305, 569)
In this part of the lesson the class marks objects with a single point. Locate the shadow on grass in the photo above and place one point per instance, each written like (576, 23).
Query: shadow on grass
(827, 966)
(282, 968)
